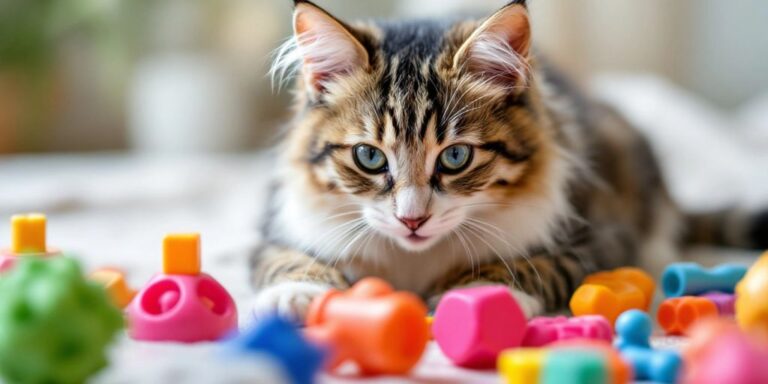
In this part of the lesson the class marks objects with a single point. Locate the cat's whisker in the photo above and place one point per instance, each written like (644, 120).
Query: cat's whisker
(478, 232)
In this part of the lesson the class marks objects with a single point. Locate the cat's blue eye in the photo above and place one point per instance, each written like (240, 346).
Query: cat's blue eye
(455, 158)
(369, 158)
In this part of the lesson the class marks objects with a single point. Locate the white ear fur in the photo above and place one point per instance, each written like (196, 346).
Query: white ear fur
(326, 47)
(498, 49)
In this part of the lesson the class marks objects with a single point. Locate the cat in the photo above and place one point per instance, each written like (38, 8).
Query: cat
(443, 154)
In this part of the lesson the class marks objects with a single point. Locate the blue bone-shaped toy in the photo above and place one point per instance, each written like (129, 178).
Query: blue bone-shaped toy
(633, 331)
(682, 279)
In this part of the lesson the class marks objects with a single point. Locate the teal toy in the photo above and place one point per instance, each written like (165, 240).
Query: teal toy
(54, 324)
(690, 279)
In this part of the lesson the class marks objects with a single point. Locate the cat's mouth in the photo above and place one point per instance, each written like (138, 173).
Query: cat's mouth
(417, 239)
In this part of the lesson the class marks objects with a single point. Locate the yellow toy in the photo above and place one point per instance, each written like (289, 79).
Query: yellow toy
(751, 294)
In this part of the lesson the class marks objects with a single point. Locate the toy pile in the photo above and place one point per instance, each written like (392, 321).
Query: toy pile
(56, 324)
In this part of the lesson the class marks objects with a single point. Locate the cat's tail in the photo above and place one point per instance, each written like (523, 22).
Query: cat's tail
(729, 228)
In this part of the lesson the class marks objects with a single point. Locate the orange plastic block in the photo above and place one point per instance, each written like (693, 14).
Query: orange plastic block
(430, 320)
(382, 331)
(613, 292)
(751, 293)
(28, 234)
(677, 315)
(181, 254)
(114, 282)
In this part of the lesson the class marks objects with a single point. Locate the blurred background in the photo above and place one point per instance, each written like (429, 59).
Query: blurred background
(167, 76)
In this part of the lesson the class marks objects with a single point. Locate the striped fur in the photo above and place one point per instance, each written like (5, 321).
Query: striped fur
(557, 187)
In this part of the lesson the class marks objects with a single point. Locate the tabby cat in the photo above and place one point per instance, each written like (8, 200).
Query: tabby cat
(444, 154)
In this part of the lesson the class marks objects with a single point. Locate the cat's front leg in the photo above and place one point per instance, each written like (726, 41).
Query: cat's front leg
(288, 280)
(539, 283)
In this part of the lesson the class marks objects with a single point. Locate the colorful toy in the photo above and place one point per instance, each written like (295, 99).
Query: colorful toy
(182, 304)
(676, 315)
(725, 302)
(113, 281)
(27, 239)
(54, 325)
(546, 330)
(577, 363)
(382, 331)
(720, 353)
(613, 292)
(633, 331)
(751, 292)
(280, 340)
(473, 325)
(685, 279)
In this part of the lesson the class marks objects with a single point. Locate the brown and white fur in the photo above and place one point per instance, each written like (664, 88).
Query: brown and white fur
(557, 185)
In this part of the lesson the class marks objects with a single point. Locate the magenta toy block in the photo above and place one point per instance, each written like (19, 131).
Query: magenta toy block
(725, 302)
(545, 330)
(473, 325)
(182, 308)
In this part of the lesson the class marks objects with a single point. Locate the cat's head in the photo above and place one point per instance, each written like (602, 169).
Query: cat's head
(431, 127)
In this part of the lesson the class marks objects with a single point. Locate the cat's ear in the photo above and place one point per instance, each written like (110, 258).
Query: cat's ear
(327, 47)
(498, 49)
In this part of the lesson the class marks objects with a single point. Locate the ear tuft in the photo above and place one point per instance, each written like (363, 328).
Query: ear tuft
(499, 49)
(327, 48)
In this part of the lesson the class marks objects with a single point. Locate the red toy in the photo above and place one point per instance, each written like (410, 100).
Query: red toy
(676, 315)
(182, 304)
(382, 331)
(473, 325)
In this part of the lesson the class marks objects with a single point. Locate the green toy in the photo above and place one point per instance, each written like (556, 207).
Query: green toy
(54, 324)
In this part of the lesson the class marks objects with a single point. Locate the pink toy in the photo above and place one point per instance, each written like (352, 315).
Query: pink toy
(473, 325)
(182, 304)
(719, 352)
(545, 330)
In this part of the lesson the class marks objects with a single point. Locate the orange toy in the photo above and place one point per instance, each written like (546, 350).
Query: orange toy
(381, 330)
(113, 281)
(676, 315)
(613, 292)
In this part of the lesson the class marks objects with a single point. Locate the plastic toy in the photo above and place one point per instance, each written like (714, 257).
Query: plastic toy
(676, 315)
(430, 320)
(725, 302)
(182, 304)
(545, 330)
(113, 281)
(473, 325)
(279, 339)
(720, 353)
(685, 279)
(382, 331)
(620, 371)
(27, 239)
(633, 331)
(613, 292)
(54, 325)
(751, 293)
(590, 363)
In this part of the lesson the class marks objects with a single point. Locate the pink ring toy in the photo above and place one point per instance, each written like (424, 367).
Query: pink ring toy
(186, 308)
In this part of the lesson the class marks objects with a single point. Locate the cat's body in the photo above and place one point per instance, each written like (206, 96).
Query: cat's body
(444, 154)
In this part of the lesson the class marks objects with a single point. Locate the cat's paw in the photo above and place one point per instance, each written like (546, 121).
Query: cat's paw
(289, 299)
(530, 305)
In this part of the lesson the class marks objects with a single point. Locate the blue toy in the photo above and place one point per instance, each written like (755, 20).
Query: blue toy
(282, 341)
(685, 279)
(633, 332)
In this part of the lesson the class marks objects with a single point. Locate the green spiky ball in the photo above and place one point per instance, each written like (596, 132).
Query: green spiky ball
(54, 324)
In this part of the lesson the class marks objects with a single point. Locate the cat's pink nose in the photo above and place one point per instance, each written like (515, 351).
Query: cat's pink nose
(413, 223)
